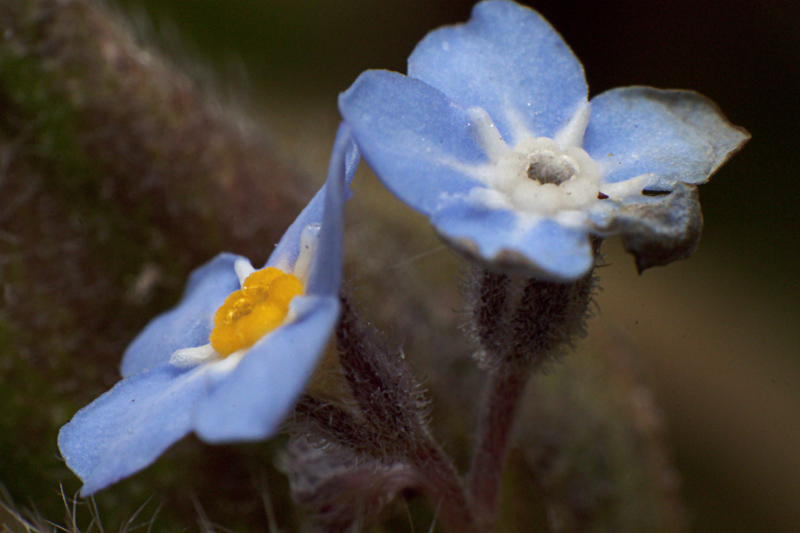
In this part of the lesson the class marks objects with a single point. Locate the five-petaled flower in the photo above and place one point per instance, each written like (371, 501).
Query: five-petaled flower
(229, 361)
(492, 137)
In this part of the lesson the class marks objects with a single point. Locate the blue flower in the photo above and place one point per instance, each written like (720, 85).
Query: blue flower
(211, 365)
(492, 137)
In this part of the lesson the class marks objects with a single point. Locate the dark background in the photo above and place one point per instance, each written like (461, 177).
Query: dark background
(743, 55)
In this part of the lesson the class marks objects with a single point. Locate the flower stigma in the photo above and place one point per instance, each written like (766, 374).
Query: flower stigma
(259, 307)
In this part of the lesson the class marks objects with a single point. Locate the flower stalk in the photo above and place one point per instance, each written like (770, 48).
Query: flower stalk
(520, 325)
(445, 490)
(506, 390)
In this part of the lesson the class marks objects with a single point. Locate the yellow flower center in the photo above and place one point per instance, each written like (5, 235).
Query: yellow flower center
(250, 313)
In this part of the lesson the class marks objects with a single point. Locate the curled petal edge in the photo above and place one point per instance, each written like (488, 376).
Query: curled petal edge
(660, 232)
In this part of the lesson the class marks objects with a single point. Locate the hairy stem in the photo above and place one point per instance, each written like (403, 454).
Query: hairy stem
(521, 323)
(507, 388)
(444, 488)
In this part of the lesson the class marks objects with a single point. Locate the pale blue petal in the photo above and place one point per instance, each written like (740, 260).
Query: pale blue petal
(187, 325)
(128, 427)
(411, 135)
(508, 60)
(676, 135)
(325, 272)
(545, 249)
(288, 248)
(251, 402)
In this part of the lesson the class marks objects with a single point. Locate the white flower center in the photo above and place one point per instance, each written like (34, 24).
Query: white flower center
(538, 177)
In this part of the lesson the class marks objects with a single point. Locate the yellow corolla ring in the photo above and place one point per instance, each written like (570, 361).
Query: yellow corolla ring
(250, 313)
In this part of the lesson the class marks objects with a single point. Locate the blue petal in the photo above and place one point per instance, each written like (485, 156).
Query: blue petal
(676, 135)
(411, 135)
(325, 273)
(545, 249)
(128, 427)
(187, 325)
(508, 60)
(250, 403)
(288, 248)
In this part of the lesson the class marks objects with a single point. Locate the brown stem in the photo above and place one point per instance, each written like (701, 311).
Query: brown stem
(506, 389)
(444, 488)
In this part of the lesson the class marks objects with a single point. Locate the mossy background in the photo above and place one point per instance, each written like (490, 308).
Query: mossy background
(714, 338)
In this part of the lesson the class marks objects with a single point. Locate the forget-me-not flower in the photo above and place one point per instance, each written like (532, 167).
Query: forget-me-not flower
(229, 361)
(492, 137)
